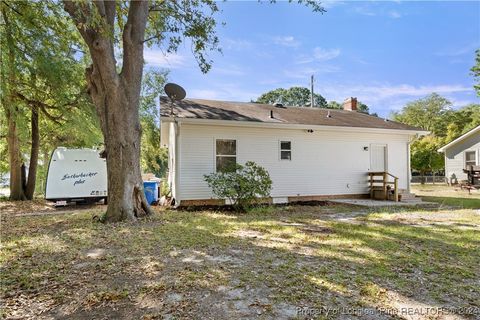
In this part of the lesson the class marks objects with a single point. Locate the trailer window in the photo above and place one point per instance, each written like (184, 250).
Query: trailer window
(226, 155)
(470, 158)
(285, 150)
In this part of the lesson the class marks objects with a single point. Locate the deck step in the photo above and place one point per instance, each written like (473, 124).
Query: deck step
(381, 181)
(376, 173)
(408, 196)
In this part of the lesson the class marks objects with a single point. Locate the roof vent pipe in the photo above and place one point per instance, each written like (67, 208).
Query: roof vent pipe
(271, 114)
(328, 114)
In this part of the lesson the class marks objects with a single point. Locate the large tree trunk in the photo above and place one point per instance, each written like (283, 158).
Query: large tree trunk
(15, 160)
(116, 97)
(13, 143)
(32, 168)
(126, 199)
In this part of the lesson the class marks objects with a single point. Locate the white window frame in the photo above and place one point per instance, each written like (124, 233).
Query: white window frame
(229, 156)
(280, 149)
(475, 161)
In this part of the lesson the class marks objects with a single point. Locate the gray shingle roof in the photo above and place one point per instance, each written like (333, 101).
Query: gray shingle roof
(254, 112)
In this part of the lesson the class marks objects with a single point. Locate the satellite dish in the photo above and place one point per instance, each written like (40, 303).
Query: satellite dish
(174, 91)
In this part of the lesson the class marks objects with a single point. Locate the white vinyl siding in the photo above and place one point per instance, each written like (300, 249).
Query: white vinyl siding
(455, 156)
(323, 162)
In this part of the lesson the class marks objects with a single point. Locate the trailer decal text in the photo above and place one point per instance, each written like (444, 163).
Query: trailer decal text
(79, 176)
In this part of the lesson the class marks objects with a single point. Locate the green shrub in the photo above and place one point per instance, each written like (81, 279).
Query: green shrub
(242, 185)
(165, 188)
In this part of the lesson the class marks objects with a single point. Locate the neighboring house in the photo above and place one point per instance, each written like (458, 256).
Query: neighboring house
(310, 153)
(461, 152)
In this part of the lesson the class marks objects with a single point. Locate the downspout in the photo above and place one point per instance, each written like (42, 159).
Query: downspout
(412, 139)
(409, 178)
(447, 180)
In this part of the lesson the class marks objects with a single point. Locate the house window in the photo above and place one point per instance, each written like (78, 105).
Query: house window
(226, 155)
(285, 150)
(470, 158)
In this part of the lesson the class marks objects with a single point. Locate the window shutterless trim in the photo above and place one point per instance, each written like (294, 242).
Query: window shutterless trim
(216, 156)
(470, 162)
(280, 150)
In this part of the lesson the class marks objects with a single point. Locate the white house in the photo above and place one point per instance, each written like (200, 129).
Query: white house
(460, 153)
(310, 153)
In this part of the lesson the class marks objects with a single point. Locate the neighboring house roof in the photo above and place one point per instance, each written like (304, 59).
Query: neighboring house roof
(462, 137)
(261, 113)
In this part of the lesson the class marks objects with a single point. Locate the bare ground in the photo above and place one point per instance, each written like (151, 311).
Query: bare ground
(291, 262)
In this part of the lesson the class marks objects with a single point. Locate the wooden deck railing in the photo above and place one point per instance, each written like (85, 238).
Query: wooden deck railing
(382, 177)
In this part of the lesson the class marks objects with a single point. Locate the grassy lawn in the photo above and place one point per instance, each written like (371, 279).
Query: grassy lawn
(268, 264)
(447, 195)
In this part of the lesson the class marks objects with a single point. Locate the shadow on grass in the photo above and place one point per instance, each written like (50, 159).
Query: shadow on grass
(465, 203)
(353, 265)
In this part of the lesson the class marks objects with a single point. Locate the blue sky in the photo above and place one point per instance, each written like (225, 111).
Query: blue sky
(384, 53)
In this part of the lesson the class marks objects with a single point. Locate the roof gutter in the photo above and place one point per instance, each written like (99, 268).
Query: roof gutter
(293, 126)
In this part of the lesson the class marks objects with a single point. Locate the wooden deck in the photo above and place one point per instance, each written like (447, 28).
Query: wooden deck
(380, 186)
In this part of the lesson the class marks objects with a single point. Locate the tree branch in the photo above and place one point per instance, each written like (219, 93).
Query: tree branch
(12, 8)
(110, 13)
(133, 36)
(40, 105)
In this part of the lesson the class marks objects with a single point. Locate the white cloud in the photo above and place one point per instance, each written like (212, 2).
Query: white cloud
(306, 72)
(363, 10)
(459, 51)
(325, 54)
(462, 102)
(386, 98)
(157, 58)
(286, 41)
(235, 44)
(327, 4)
(225, 92)
(394, 14)
(319, 54)
(204, 94)
(381, 98)
(229, 70)
(388, 91)
(372, 9)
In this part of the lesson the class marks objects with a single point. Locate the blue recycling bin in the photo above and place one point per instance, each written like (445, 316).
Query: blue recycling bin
(151, 191)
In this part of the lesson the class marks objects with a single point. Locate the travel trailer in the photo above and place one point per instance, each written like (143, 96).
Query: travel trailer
(76, 175)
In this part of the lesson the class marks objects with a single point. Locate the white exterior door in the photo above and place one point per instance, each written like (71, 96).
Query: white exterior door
(378, 158)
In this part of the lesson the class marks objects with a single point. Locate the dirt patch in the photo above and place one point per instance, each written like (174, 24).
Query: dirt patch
(265, 265)
(22, 207)
(42, 207)
(316, 230)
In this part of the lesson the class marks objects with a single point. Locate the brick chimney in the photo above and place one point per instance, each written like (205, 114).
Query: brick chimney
(350, 104)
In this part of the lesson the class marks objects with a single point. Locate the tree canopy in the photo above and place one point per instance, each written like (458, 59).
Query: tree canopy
(153, 158)
(435, 114)
(430, 113)
(294, 96)
(476, 72)
(43, 91)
